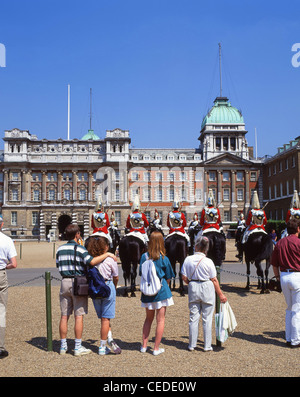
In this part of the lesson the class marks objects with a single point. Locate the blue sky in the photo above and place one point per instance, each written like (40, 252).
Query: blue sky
(152, 66)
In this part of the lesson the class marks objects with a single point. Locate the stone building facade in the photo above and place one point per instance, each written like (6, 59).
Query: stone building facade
(280, 179)
(46, 184)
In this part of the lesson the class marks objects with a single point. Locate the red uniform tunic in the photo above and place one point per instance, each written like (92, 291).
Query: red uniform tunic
(289, 213)
(205, 224)
(104, 228)
(177, 229)
(253, 225)
(141, 229)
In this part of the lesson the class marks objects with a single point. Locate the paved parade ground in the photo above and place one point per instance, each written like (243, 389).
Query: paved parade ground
(256, 349)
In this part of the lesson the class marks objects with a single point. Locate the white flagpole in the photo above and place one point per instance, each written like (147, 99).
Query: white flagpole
(255, 145)
(68, 111)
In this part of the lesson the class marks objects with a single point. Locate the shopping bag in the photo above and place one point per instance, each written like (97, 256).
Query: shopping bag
(221, 332)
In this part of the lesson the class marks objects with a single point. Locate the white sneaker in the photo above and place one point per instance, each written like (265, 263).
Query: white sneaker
(157, 352)
(81, 351)
(103, 350)
(208, 349)
(143, 349)
(63, 350)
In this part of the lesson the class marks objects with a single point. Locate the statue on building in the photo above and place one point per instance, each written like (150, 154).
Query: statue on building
(256, 219)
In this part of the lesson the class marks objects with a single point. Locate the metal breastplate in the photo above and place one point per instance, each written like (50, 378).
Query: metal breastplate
(99, 219)
(175, 219)
(211, 215)
(258, 217)
(295, 213)
(136, 220)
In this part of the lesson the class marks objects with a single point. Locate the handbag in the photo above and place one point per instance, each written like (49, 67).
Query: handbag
(274, 285)
(225, 322)
(81, 284)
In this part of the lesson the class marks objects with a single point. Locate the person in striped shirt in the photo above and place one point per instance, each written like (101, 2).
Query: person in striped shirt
(70, 303)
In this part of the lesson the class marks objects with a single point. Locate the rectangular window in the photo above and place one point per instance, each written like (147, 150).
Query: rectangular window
(118, 217)
(36, 195)
(226, 216)
(171, 176)
(82, 194)
(147, 176)
(240, 176)
(15, 176)
(198, 194)
(226, 195)
(51, 195)
(117, 193)
(225, 176)
(212, 175)
(67, 194)
(240, 194)
(252, 176)
(135, 176)
(14, 218)
(35, 218)
(158, 176)
(14, 195)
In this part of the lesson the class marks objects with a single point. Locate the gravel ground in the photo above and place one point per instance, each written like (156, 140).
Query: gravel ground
(256, 349)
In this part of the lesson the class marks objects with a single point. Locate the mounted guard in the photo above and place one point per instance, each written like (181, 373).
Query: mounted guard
(293, 212)
(137, 222)
(193, 230)
(176, 222)
(210, 216)
(114, 231)
(256, 219)
(100, 221)
(241, 226)
(156, 223)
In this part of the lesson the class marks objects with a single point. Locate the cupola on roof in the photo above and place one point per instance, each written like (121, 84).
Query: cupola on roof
(222, 113)
(90, 135)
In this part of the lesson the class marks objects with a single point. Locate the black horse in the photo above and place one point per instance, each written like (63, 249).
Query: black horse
(257, 248)
(176, 251)
(217, 247)
(131, 249)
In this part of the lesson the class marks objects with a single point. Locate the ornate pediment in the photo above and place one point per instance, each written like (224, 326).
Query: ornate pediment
(228, 159)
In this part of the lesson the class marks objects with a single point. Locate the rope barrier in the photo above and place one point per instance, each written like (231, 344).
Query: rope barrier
(176, 278)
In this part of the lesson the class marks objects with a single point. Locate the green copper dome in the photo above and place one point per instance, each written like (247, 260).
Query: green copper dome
(222, 113)
(90, 135)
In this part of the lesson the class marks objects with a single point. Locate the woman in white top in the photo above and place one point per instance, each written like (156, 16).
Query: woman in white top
(200, 274)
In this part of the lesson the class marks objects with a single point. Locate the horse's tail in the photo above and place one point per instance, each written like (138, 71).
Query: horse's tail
(267, 248)
(219, 248)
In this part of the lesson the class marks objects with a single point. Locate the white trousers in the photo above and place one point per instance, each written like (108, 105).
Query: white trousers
(202, 298)
(290, 284)
(3, 304)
